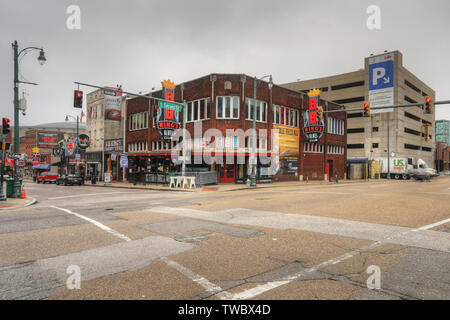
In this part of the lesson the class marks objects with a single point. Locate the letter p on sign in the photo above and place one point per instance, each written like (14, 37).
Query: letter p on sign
(377, 73)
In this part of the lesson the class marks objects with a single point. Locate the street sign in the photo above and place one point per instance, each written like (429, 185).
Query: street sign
(35, 161)
(381, 82)
(168, 105)
(35, 150)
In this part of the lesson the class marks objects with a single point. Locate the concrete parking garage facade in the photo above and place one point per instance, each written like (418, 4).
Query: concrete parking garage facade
(367, 137)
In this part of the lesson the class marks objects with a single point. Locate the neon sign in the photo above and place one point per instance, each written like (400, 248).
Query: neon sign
(313, 127)
(167, 114)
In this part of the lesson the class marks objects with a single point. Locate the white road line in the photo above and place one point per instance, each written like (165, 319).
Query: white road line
(432, 225)
(84, 195)
(208, 286)
(260, 289)
(96, 223)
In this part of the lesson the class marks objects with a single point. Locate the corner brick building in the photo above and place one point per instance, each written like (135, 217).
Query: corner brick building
(225, 101)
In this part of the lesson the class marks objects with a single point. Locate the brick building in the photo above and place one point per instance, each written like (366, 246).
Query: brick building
(225, 102)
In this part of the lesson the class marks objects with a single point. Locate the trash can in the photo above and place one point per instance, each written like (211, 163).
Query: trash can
(10, 186)
(377, 176)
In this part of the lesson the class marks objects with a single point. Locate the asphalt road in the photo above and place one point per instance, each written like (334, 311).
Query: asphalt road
(370, 240)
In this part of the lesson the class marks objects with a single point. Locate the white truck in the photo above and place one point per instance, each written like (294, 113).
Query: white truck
(403, 168)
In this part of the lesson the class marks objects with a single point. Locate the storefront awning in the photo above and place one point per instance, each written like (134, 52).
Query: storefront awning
(42, 166)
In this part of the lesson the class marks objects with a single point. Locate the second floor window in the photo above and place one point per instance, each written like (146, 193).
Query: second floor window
(285, 116)
(261, 109)
(198, 110)
(138, 121)
(227, 107)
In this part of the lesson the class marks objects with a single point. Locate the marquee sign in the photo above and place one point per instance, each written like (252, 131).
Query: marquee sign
(168, 114)
(314, 127)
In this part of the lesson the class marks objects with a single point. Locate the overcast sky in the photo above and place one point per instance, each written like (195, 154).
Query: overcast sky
(139, 43)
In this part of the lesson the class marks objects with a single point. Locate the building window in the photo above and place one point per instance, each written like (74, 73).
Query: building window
(347, 85)
(335, 126)
(375, 145)
(227, 107)
(138, 121)
(349, 100)
(375, 129)
(409, 84)
(312, 148)
(285, 116)
(355, 146)
(411, 146)
(335, 149)
(411, 131)
(261, 109)
(355, 130)
(355, 115)
(411, 116)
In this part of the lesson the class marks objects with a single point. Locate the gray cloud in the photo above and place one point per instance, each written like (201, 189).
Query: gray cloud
(139, 43)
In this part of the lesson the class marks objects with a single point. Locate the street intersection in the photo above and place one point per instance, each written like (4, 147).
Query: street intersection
(302, 241)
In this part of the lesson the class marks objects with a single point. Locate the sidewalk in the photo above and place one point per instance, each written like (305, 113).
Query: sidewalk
(228, 186)
(14, 203)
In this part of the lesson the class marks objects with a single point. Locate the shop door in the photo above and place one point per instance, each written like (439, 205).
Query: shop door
(329, 169)
(227, 173)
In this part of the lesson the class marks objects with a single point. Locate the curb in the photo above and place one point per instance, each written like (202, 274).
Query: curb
(33, 201)
(139, 188)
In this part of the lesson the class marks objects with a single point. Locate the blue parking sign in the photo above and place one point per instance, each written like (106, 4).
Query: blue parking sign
(381, 75)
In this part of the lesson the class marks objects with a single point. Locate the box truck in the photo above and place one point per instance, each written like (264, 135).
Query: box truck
(402, 168)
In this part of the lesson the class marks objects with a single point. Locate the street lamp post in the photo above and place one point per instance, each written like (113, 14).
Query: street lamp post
(41, 59)
(253, 155)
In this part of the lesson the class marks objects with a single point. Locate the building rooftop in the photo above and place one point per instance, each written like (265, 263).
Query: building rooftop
(66, 125)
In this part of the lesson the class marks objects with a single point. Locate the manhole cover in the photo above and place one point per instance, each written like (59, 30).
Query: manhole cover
(191, 238)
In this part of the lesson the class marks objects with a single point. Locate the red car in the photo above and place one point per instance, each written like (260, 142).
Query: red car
(47, 177)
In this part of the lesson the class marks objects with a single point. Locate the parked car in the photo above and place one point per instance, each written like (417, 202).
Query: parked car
(69, 179)
(47, 177)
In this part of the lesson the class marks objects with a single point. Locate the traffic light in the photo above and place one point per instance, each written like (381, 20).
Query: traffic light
(367, 109)
(78, 99)
(5, 126)
(320, 113)
(428, 104)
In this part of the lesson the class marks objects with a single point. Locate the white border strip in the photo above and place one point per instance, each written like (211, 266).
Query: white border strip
(96, 223)
(208, 286)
